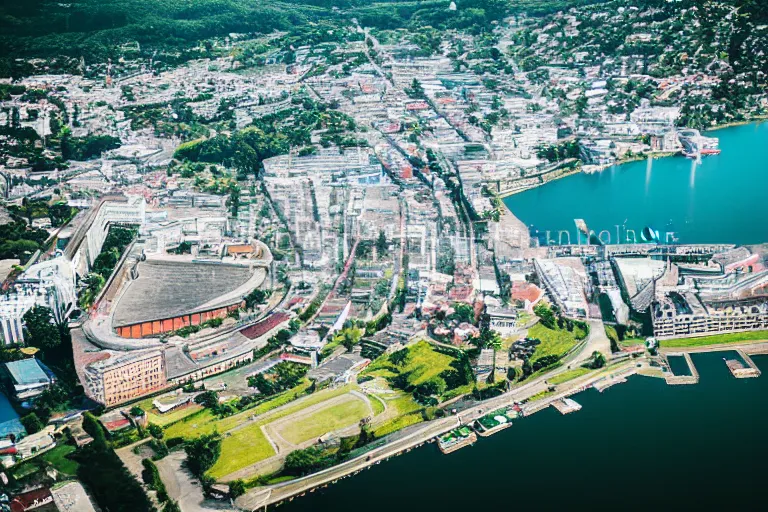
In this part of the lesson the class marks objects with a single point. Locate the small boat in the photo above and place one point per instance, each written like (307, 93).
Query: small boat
(648, 234)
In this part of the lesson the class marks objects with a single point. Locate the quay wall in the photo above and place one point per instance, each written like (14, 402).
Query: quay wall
(677, 380)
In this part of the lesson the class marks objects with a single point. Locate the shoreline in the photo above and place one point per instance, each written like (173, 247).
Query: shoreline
(734, 124)
(593, 169)
(260, 497)
(656, 155)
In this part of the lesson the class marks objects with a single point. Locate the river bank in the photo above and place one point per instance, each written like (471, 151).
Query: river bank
(642, 431)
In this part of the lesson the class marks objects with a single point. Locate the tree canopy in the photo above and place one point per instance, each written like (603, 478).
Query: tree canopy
(41, 327)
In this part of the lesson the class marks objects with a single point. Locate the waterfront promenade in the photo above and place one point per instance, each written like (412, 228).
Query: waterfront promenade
(751, 348)
(264, 496)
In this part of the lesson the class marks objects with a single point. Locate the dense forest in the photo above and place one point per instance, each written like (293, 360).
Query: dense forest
(95, 29)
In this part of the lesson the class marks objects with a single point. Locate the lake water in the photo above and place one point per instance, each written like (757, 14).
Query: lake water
(9, 420)
(637, 446)
(723, 199)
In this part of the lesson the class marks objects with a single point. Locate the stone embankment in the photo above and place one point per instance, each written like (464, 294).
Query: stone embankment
(677, 380)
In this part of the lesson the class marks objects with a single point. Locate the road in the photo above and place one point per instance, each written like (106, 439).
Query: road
(596, 342)
(399, 260)
(338, 282)
(184, 488)
(377, 47)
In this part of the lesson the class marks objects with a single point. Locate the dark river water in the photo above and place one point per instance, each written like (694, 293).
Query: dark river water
(637, 446)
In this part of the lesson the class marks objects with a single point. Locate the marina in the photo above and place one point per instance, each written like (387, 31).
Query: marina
(676, 377)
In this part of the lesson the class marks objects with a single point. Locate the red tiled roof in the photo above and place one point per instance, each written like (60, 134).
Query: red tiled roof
(240, 249)
(266, 325)
(525, 291)
(418, 105)
(31, 500)
(112, 426)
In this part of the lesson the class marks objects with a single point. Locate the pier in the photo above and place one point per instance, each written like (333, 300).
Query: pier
(747, 369)
(677, 380)
(566, 406)
(494, 422)
(612, 380)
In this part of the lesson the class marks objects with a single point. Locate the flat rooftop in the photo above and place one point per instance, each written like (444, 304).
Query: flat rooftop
(167, 289)
(27, 372)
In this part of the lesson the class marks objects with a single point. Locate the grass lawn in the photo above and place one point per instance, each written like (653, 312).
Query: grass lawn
(23, 470)
(422, 364)
(523, 319)
(569, 375)
(398, 423)
(279, 479)
(408, 413)
(718, 339)
(57, 457)
(244, 447)
(172, 416)
(204, 422)
(154, 416)
(326, 420)
(540, 395)
(631, 342)
(553, 342)
(377, 403)
(461, 390)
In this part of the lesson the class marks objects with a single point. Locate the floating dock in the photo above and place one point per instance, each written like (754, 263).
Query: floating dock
(456, 439)
(566, 405)
(747, 369)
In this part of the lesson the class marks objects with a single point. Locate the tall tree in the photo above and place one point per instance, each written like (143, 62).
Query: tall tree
(202, 453)
(41, 328)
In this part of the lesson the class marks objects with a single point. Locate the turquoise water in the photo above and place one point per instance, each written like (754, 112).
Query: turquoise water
(723, 199)
(9, 420)
(642, 445)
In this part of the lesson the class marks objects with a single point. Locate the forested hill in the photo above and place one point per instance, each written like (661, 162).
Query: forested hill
(94, 29)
